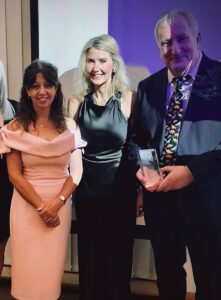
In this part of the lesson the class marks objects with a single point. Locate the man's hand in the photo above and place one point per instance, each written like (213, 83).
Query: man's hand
(175, 178)
(144, 181)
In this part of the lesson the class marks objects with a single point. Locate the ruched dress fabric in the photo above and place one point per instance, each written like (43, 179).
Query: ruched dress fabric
(105, 203)
(38, 252)
(105, 130)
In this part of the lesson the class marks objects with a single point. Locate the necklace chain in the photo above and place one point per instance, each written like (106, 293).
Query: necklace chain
(41, 125)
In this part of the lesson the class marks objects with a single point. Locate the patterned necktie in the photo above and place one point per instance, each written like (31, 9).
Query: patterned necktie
(173, 122)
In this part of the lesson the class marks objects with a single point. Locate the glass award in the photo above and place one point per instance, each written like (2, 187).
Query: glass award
(149, 165)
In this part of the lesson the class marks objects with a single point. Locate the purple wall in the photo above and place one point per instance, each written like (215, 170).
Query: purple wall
(132, 22)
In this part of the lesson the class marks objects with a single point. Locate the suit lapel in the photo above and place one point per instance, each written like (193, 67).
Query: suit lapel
(193, 106)
(159, 103)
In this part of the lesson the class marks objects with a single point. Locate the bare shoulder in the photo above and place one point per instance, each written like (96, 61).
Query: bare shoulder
(73, 106)
(128, 102)
(129, 97)
(71, 124)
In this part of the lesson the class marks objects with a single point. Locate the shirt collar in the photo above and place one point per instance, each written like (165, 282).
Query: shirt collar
(192, 72)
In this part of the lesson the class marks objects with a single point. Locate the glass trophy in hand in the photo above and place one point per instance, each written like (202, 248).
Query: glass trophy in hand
(150, 166)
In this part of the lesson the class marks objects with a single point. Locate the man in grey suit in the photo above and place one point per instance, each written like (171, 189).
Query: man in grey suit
(184, 207)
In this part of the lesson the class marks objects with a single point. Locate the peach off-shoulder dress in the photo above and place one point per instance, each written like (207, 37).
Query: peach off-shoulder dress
(38, 252)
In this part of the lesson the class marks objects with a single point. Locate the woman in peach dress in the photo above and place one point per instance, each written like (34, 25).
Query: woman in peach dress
(41, 148)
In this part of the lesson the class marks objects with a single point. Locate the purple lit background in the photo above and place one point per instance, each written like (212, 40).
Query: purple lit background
(132, 22)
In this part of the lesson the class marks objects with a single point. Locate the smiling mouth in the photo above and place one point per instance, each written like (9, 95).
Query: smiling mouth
(96, 75)
(42, 99)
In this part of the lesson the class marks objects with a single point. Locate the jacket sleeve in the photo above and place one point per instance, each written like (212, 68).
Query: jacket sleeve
(206, 166)
(137, 139)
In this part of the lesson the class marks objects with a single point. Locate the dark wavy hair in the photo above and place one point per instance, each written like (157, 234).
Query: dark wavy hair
(27, 114)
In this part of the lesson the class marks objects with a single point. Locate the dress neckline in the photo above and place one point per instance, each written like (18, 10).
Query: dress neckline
(45, 140)
(36, 136)
(92, 99)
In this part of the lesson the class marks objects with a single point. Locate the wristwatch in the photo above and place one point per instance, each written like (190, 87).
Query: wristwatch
(62, 198)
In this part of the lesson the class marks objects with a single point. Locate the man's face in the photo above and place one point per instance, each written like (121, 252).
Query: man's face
(179, 47)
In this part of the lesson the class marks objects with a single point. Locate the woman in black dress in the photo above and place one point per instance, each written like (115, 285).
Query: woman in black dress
(7, 112)
(106, 196)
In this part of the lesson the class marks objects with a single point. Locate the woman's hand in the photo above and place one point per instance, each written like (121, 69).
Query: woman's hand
(139, 203)
(48, 211)
(54, 222)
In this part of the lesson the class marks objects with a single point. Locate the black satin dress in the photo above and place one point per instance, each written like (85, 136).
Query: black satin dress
(6, 190)
(105, 203)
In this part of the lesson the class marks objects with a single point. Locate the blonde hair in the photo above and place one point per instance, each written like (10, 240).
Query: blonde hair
(6, 108)
(120, 82)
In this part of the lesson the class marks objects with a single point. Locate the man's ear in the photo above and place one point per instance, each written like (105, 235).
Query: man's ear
(198, 38)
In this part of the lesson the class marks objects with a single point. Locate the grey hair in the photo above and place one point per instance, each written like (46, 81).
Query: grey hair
(6, 108)
(171, 15)
(105, 42)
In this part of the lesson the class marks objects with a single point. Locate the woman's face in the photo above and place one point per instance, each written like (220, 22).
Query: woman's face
(42, 93)
(99, 67)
